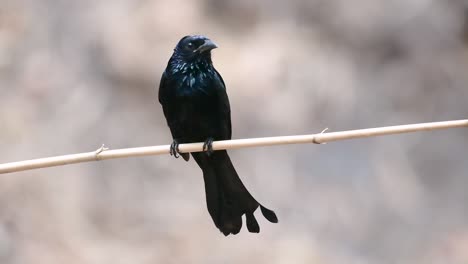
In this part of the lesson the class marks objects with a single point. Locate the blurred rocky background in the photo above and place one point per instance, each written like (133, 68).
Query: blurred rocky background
(76, 74)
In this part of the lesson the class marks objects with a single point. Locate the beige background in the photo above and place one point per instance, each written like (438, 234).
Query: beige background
(76, 74)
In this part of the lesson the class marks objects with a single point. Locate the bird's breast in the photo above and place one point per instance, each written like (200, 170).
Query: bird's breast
(193, 83)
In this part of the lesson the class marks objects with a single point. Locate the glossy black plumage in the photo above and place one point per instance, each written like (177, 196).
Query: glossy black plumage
(196, 106)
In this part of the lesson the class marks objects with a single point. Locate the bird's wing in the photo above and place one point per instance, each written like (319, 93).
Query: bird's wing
(163, 96)
(224, 107)
(162, 88)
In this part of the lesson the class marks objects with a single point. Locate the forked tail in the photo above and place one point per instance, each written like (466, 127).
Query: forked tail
(226, 196)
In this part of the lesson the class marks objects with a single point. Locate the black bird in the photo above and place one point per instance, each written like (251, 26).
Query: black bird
(196, 106)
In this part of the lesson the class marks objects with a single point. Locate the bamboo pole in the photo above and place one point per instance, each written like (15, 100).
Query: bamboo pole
(104, 153)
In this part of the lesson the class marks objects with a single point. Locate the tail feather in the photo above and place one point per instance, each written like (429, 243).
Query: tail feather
(252, 224)
(186, 156)
(269, 214)
(226, 196)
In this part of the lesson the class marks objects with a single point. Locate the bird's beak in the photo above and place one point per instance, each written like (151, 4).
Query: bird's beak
(207, 46)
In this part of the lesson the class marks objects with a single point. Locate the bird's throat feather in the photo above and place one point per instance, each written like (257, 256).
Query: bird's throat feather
(192, 78)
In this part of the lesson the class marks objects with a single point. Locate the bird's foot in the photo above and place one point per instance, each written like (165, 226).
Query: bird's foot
(174, 149)
(208, 146)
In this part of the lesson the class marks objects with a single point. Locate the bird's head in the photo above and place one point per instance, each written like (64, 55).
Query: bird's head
(194, 47)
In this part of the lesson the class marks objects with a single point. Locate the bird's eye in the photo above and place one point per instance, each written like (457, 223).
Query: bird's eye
(190, 45)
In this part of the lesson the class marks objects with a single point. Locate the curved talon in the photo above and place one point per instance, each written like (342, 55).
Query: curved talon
(174, 149)
(208, 146)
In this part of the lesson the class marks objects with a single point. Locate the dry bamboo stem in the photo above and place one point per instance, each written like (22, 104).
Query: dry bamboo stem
(104, 153)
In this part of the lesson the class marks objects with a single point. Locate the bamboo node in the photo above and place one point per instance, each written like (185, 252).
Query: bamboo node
(99, 151)
(314, 140)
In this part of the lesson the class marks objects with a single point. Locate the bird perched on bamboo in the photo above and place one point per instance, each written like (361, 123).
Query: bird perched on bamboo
(196, 106)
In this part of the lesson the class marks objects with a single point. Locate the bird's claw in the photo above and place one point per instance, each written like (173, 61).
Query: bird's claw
(174, 149)
(208, 146)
